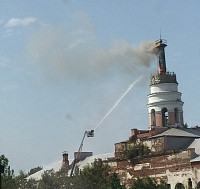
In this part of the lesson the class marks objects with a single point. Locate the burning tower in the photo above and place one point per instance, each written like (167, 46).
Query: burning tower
(165, 107)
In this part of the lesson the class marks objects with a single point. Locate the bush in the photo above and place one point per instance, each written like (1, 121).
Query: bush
(148, 183)
(132, 152)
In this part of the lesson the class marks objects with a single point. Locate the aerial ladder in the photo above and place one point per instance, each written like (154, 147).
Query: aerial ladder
(88, 134)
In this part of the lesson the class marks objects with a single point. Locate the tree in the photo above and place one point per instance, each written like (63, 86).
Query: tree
(62, 178)
(31, 183)
(48, 181)
(133, 151)
(34, 170)
(114, 182)
(148, 184)
(94, 176)
(22, 182)
(138, 184)
(8, 175)
(55, 180)
(130, 152)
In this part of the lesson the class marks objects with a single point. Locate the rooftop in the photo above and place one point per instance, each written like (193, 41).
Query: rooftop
(56, 166)
(179, 132)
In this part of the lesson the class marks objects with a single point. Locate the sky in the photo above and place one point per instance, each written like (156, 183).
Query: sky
(65, 63)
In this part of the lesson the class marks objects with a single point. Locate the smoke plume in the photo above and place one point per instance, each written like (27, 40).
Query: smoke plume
(74, 54)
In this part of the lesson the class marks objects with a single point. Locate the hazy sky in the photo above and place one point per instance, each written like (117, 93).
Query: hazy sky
(65, 63)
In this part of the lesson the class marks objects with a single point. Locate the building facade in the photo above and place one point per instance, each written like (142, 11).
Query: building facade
(174, 149)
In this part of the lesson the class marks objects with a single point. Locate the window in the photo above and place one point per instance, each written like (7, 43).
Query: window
(176, 115)
(189, 183)
(164, 117)
(153, 117)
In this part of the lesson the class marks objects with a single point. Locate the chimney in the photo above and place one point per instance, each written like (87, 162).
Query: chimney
(65, 160)
(134, 132)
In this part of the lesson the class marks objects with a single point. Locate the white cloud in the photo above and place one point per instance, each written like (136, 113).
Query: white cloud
(20, 22)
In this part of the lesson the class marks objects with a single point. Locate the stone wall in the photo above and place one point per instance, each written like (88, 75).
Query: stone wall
(173, 168)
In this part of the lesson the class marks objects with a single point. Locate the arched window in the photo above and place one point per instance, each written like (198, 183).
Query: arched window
(179, 186)
(153, 117)
(189, 183)
(198, 185)
(164, 117)
(176, 115)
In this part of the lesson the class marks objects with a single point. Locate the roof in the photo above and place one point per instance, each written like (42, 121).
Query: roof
(195, 159)
(195, 144)
(91, 159)
(56, 166)
(179, 132)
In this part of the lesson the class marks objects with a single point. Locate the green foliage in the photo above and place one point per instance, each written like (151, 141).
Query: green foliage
(22, 182)
(148, 184)
(9, 181)
(147, 151)
(48, 180)
(143, 150)
(95, 176)
(62, 178)
(8, 175)
(133, 151)
(130, 152)
(92, 176)
(138, 184)
(31, 184)
(54, 180)
(34, 170)
(114, 182)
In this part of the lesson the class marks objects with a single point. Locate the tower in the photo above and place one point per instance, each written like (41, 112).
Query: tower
(165, 107)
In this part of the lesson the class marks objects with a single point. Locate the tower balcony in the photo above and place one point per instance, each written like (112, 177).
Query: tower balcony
(168, 77)
(161, 41)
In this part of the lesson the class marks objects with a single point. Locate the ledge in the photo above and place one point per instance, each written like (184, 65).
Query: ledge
(163, 78)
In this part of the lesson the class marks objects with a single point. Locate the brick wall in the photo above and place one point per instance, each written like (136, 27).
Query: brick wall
(171, 168)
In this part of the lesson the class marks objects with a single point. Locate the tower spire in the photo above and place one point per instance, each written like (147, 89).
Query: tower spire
(160, 49)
